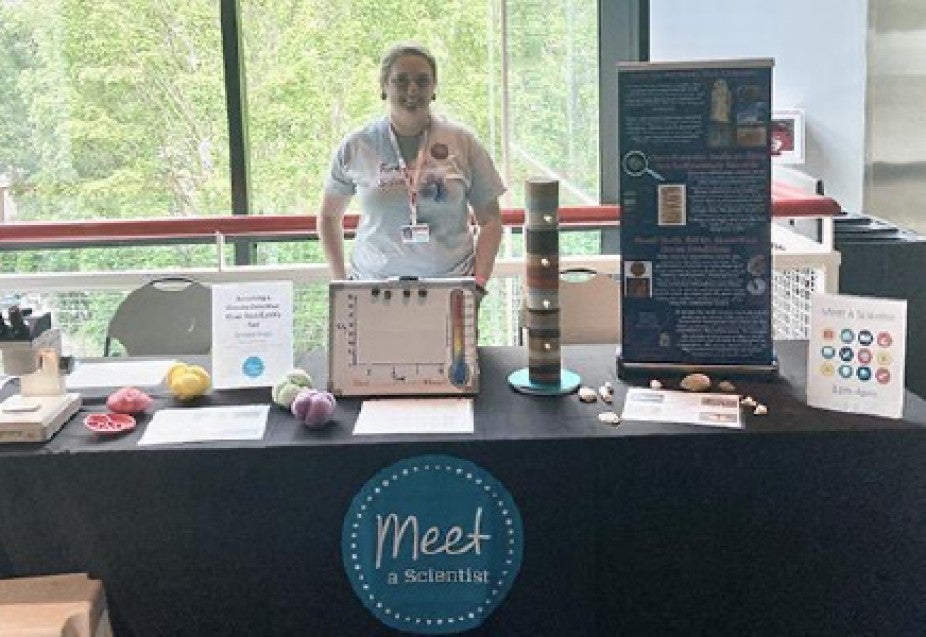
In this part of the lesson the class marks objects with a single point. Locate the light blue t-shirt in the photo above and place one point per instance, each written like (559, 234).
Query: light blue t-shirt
(458, 173)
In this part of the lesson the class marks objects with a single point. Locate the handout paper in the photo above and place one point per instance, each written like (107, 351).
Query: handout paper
(118, 374)
(177, 426)
(415, 416)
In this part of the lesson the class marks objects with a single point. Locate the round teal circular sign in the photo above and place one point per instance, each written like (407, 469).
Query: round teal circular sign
(253, 366)
(432, 544)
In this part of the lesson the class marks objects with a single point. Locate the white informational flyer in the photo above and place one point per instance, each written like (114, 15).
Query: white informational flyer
(415, 416)
(661, 405)
(856, 354)
(252, 333)
(202, 424)
(118, 374)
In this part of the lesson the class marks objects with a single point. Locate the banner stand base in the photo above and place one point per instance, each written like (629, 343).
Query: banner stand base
(568, 382)
(635, 371)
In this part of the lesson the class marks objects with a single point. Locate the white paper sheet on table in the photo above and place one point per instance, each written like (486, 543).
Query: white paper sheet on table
(709, 410)
(415, 416)
(119, 374)
(202, 424)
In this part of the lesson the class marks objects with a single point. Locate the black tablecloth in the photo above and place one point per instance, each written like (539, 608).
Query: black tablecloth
(804, 522)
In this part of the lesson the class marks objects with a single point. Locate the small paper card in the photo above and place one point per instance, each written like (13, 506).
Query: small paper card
(252, 333)
(415, 416)
(856, 354)
(661, 405)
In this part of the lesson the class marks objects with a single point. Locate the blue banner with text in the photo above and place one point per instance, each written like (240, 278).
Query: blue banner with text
(695, 183)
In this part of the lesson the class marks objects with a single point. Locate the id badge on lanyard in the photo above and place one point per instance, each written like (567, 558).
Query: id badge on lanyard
(413, 232)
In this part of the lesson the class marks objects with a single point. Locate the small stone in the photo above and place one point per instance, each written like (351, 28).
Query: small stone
(605, 394)
(655, 384)
(749, 401)
(695, 383)
(587, 395)
(609, 417)
(760, 410)
(726, 387)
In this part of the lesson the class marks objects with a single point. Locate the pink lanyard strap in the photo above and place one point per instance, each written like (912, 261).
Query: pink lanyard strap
(412, 179)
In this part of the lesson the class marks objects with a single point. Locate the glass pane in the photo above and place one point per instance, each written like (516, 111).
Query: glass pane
(553, 77)
(312, 76)
(112, 109)
(820, 57)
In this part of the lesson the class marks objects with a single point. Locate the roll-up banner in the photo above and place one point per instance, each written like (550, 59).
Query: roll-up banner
(695, 182)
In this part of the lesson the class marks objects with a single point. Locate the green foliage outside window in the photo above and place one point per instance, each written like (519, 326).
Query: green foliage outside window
(115, 109)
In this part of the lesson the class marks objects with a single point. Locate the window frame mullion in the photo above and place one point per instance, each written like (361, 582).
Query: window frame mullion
(236, 107)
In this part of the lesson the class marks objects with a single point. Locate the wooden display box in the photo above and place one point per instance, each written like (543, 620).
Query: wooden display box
(70, 605)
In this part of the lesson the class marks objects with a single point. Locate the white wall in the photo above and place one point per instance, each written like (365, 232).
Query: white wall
(819, 47)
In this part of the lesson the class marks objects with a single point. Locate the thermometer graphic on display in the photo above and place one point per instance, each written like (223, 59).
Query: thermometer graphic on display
(458, 372)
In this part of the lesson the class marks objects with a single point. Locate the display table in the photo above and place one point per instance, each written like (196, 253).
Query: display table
(806, 522)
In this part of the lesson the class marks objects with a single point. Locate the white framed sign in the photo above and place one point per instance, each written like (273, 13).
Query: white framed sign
(856, 354)
(252, 333)
(787, 133)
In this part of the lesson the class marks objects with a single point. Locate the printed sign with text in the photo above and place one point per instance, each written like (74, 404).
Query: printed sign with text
(856, 354)
(252, 333)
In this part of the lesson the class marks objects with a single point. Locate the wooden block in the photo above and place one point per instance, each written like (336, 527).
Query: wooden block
(71, 605)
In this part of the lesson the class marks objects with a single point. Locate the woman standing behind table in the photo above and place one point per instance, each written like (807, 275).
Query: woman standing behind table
(418, 178)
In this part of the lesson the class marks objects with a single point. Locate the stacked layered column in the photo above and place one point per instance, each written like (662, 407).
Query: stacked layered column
(541, 232)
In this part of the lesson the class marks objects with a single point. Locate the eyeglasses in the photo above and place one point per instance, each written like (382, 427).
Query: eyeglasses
(403, 82)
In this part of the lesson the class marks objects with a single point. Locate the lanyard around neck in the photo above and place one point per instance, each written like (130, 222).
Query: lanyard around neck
(412, 179)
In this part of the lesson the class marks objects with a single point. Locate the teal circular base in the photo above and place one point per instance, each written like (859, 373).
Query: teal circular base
(568, 383)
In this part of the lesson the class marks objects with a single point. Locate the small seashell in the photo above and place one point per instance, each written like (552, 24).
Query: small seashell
(587, 395)
(609, 417)
(748, 401)
(760, 410)
(605, 394)
(726, 386)
(695, 382)
(655, 384)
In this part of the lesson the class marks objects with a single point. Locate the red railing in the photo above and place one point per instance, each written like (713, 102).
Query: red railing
(786, 202)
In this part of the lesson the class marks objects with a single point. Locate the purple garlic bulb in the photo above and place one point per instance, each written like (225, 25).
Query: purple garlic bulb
(313, 407)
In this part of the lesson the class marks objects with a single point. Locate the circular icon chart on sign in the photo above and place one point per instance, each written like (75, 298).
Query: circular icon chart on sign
(857, 353)
(432, 544)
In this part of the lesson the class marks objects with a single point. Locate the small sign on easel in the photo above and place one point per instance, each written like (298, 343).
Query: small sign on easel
(252, 333)
(856, 354)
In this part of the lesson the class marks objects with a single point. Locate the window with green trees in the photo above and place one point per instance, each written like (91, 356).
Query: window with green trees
(116, 109)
